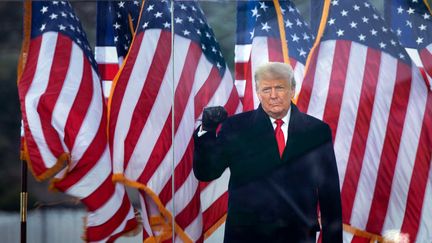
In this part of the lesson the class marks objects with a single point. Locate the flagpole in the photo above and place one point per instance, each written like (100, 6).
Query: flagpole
(23, 201)
(172, 123)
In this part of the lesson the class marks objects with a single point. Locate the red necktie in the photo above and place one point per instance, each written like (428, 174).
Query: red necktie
(280, 136)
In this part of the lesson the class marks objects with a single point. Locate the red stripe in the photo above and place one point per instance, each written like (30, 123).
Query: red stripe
(80, 106)
(358, 239)
(120, 86)
(232, 103)
(419, 178)
(37, 164)
(108, 70)
(207, 91)
(308, 82)
(337, 85)
(100, 196)
(190, 212)
(360, 134)
(248, 100)
(130, 225)
(390, 149)
(293, 63)
(215, 212)
(184, 87)
(47, 101)
(426, 58)
(241, 70)
(275, 53)
(148, 94)
(100, 232)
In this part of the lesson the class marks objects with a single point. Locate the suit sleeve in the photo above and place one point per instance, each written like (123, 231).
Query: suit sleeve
(329, 195)
(210, 154)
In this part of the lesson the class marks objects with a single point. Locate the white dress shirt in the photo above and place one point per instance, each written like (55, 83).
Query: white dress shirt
(285, 124)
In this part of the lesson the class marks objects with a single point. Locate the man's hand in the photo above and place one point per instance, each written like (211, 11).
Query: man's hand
(212, 117)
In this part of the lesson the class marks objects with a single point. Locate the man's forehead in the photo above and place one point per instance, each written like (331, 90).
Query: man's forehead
(273, 82)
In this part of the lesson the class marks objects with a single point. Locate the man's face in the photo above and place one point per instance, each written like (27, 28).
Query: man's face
(275, 97)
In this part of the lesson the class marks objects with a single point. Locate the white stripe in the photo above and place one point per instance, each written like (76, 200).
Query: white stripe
(347, 237)
(37, 88)
(91, 181)
(108, 209)
(184, 195)
(242, 53)
(214, 190)
(406, 154)
(375, 141)
(194, 230)
(425, 227)
(91, 123)
(132, 94)
(223, 92)
(144, 215)
(217, 236)
(299, 76)
(259, 56)
(415, 57)
(240, 86)
(349, 107)
(121, 226)
(68, 92)
(106, 87)
(322, 79)
(158, 115)
(106, 55)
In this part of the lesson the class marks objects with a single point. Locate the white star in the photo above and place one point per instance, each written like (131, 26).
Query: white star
(295, 38)
(186, 32)
(356, 7)
(373, 32)
(301, 52)
(353, 24)
(398, 32)
(116, 26)
(63, 14)
(288, 24)
(393, 43)
(365, 20)
(335, 2)
(422, 27)
(79, 41)
(410, 11)
(72, 27)
(190, 19)
(340, 32)
(283, 11)
(150, 8)
(362, 37)
(198, 32)
(400, 10)
(208, 35)
(426, 16)
(53, 16)
(252, 34)
(136, 3)
(62, 27)
(331, 21)
(55, 2)
(265, 27)
(382, 45)
(408, 23)
(194, 9)
(298, 22)
(263, 6)
(115, 38)
(384, 29)
(145, 25)
(375, 16)
(121, 4)
(178, 20)
(402, 56)
(367, 5)
(203, 46)
(182, 6)
(344, 12)
(255, 12)
(414, 1)
(44, 9)
(214, 49)
(158, 15)
(42, 28)
(218, 65)
(419, 40)
(305, 36)
(291, 9)
(167, 25)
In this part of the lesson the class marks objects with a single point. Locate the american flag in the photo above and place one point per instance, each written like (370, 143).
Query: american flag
(259, 41)
(115, 25)
(65, 120)
(412, 22)
(361, 81)
(161, 92)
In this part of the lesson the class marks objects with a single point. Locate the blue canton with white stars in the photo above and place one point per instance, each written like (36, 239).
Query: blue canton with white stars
(58, 16)
(259, 18)
(411, 21)
(358, 21)
(189, 22)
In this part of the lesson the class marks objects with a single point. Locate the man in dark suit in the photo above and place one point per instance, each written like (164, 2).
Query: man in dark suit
(282, 166)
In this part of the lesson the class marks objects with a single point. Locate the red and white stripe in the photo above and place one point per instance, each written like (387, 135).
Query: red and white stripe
(249, 57)
(141, 125)
(64, 113)
(108, 66)
(380, 111)
(423, 59)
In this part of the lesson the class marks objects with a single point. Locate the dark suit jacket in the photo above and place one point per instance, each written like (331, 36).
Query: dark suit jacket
(273, 199)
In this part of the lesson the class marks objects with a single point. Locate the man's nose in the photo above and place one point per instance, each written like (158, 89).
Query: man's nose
(273, 93)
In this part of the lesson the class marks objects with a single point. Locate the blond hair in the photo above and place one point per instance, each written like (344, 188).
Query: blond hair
(275, 71)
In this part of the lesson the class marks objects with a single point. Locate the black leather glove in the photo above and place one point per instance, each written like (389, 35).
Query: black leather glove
(212, 117)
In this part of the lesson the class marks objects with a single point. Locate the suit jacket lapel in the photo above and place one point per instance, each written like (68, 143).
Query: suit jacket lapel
(265, 131)
(293, 127)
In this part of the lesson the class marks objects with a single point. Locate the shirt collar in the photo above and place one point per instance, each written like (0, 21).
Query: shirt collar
(285, 119)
